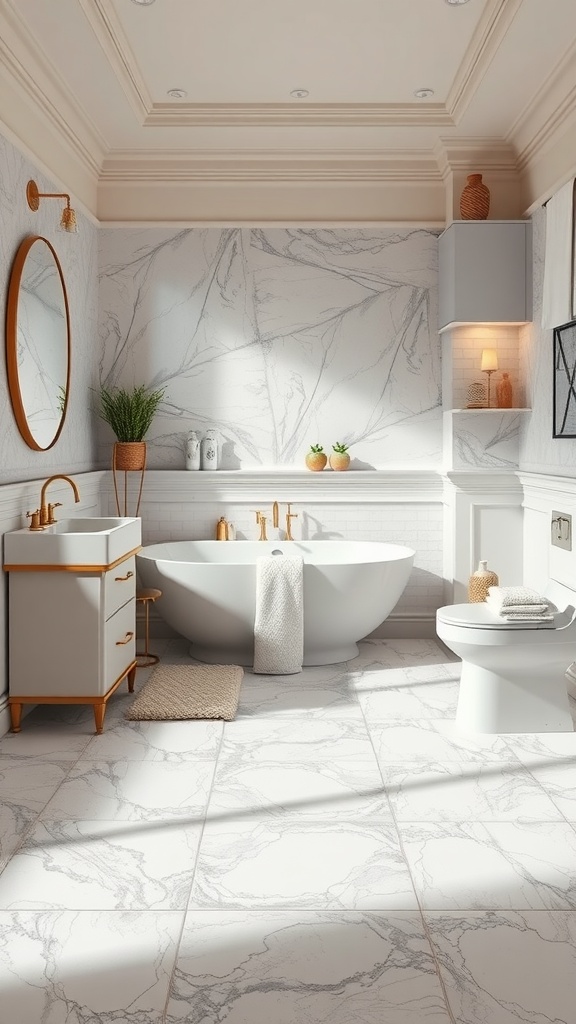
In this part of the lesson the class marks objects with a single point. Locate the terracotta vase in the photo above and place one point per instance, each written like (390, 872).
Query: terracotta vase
(475, 199)
(129, 456)
(504, 392)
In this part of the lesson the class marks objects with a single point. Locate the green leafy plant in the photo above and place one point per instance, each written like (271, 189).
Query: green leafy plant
(341, 449)
(130, 412)
(317, 449)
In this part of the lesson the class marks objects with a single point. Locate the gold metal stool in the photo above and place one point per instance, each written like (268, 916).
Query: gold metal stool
(147, 597)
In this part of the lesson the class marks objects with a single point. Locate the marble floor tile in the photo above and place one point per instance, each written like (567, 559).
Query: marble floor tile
(172, 742)
(26, 786)
(343, 788)
(506, 967)
(86, 967)
(496, 865)
(55, 741)
(294, 967)
(132, 791)
(321, 692)
(257, 863)
(315, 740)
(435, 740)
(457, 792)
(559, 781)
(434, 697)
(533, 749)
(102, 865)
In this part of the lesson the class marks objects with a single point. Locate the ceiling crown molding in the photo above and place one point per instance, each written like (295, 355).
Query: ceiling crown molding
(270, 165)
(492, 27)
(108, 31)
(296, 115)
(465, 155)
(549, 114)
(47, 93)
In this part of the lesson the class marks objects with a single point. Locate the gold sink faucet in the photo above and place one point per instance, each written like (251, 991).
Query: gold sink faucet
(47, 511)
(289, 517)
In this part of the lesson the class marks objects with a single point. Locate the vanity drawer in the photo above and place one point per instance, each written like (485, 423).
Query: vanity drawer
(119, 586)
(119, 642)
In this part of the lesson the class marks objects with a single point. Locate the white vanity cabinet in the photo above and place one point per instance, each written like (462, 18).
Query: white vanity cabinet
(484, 272)
(72, 635)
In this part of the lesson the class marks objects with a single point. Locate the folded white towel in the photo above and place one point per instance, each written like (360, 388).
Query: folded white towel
(527, 617)
(279, 619)
(517, 609)
(510, 596)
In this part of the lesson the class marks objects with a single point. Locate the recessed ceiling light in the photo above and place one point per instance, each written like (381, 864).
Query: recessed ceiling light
(143, 3)
(456, 3)
(424, 94)
(177, 94)
(299, 94)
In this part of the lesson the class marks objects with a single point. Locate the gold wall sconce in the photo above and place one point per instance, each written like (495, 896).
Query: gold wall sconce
(67, 220)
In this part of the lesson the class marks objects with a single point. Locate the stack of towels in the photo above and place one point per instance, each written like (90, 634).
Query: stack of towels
(519, 604)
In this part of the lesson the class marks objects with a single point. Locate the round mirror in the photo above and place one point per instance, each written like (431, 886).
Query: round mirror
(38, 343)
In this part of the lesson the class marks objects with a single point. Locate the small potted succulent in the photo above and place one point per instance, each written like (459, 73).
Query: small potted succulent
(339, 457)
(316, 458)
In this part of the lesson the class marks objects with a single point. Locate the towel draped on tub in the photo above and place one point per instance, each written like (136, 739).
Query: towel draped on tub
(279, 619)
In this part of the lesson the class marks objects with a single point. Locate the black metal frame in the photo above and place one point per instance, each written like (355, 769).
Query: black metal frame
(564, 381)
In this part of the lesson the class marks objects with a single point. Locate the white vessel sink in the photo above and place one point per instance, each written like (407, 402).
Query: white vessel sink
(74, 542)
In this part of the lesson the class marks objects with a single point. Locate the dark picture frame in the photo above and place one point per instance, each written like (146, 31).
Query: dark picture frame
(564, 381)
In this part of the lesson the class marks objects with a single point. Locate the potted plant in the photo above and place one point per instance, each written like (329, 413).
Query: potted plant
(129, 413)
(339, 457)
(316, 458)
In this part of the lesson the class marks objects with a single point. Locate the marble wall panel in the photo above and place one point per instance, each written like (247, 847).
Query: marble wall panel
(278, 338)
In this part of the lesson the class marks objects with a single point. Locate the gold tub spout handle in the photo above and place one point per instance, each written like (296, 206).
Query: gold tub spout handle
(261, 521)
(45, 519)
(275, 515)
(289, 517)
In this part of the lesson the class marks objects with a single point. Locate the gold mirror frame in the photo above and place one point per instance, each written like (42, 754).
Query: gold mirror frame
(12, 367)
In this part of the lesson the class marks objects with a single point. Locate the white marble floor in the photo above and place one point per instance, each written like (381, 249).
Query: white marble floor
(336, 854)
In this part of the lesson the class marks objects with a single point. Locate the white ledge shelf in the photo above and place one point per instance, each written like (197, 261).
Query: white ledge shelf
(297, 485)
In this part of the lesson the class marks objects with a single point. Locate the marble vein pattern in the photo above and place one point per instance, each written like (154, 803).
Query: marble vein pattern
(278, 338)
(507, 968)
(86, 968)
(337, 853)
(485, 441)
(288, 967)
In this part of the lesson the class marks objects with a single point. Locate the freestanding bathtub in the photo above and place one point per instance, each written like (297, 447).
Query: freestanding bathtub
(209, 588)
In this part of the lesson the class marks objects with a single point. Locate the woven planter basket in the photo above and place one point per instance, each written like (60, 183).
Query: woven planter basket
(129, 456)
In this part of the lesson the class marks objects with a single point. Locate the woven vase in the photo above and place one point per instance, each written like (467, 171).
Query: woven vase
(475, 199)
(129, 456)
(480, 581)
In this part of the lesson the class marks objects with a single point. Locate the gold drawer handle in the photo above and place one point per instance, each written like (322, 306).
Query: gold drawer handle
(121, 579)
(129, 636)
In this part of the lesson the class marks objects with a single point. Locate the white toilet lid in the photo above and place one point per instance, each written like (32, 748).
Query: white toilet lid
(480, 616)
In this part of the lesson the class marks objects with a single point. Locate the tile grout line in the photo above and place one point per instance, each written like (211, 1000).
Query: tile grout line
(406, 861)
(192, 879)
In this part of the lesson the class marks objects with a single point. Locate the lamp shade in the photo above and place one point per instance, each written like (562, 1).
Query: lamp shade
(489, 359)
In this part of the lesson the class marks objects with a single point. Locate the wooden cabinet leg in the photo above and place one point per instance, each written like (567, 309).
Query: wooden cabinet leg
(99, 712)
(131, 679)
(15, 716)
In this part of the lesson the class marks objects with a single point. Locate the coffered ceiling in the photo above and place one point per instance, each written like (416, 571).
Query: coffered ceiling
(87, 88)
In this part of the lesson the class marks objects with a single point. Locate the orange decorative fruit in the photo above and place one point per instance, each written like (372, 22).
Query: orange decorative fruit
(316, 458)
(339, 458)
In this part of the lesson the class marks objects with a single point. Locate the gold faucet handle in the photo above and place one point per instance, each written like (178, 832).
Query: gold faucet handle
(51, 516)
(34, 518)
(258, 515)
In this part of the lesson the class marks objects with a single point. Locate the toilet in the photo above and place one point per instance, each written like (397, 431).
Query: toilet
(513, 674)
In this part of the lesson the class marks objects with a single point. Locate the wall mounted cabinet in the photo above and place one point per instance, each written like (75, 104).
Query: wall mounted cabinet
(484, 270)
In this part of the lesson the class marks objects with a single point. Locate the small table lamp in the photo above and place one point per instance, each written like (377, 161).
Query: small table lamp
(489, 364)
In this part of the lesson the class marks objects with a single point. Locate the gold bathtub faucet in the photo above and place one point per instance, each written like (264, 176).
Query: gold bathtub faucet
(47, 511)
(261, 521)
(289, 517)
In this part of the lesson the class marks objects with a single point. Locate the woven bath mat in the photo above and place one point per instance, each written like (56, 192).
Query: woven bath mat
(189, 691)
